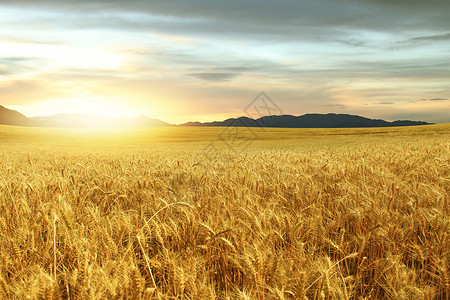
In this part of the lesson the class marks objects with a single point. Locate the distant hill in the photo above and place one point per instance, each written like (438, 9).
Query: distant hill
(74, 120)
(308, 121)
(12, 117)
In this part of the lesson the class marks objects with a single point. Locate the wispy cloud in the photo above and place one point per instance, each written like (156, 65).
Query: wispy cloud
(428, 38)
(431, 100)
(337, 106)
(214, 77)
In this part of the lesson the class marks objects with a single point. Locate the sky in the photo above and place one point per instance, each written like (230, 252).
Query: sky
(179, 60)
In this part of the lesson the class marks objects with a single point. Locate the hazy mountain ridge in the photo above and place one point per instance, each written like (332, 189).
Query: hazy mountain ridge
(331, 120)
(74, 120)
(12, 117)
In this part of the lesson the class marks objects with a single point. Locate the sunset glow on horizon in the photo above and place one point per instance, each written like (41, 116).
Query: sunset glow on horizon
(183, 61)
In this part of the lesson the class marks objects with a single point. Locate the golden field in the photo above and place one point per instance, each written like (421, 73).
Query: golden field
(157, 214)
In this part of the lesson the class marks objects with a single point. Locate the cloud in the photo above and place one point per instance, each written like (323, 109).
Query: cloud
(18, 65)
(407, 68)
(380, 103)
(21, 91)
(214, 77)
(428, 115)
(427, 38)
(298, 20)
(30, 41)
(337, 106)
(13, 87)
(430, 99)
(233, 69)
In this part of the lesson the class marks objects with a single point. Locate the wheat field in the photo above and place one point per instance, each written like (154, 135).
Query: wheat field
(296, 214)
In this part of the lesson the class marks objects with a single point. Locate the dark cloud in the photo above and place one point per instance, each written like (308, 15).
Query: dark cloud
(298, 20)
(214, 77)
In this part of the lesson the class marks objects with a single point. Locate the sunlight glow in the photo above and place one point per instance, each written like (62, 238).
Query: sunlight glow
(97, 106)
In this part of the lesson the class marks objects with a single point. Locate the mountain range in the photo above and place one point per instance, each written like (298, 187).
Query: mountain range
(12, 117)
(308, 121)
